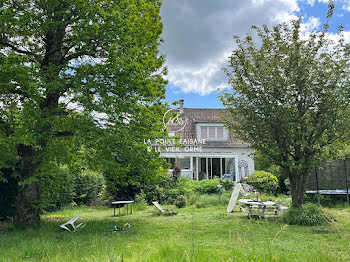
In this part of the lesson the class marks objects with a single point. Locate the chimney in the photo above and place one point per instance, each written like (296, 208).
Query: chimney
(181, 106)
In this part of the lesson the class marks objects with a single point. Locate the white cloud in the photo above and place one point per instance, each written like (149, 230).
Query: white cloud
(310, 2)
(198, 36)
(203, 79)
(346, 7)
(335, 37)
(345, 4)
(313, 23)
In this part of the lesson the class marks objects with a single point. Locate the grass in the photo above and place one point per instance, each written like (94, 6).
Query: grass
(195, 234)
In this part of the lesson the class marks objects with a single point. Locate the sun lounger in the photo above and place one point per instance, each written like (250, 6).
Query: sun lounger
(164, 211)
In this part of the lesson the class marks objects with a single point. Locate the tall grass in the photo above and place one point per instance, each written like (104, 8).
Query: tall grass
(195, 234)
(209, 200)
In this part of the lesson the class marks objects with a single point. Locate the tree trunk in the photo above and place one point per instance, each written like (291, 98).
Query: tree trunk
(28, 197)
(28, 205)
(297, 189)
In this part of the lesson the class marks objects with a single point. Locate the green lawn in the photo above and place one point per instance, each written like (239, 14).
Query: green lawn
(208, 234)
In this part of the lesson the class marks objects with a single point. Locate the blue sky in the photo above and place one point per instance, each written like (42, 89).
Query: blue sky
(198, 38)
(193, 99)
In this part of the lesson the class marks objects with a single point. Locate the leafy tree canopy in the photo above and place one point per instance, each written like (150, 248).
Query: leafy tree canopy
(78, 74)
(290, 95)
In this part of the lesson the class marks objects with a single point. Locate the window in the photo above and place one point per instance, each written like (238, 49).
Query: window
(212, 132)
(185, 163)
(220, 132)
(203, 132)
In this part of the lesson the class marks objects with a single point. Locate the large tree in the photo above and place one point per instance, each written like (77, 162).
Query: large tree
(289, 96)
(77, 73)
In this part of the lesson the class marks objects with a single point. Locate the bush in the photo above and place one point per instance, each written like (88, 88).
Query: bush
(186, 186)
(166, 190)
(155, 193)
(264, 182)
(140, 201)
(307, 215)
(128, 187)
(87, 185)
(61, 188)
(8, 194)
(227, 184)
(57, 188)
(208, 186)
(181, 201)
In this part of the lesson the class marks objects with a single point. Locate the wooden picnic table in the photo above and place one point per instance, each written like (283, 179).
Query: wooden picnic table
(119, 203)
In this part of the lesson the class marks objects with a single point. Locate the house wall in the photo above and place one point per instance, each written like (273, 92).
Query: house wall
(244, 154)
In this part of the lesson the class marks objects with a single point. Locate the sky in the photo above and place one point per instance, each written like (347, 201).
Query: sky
(198, 40)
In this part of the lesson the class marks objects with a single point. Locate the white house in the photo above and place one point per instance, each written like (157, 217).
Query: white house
(208, 149)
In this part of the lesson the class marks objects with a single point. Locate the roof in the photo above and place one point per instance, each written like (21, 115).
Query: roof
(204, 115)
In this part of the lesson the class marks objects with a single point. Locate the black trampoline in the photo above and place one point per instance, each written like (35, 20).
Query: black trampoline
(330, 178)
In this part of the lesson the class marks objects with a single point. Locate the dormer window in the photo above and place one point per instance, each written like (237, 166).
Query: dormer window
(211, 131)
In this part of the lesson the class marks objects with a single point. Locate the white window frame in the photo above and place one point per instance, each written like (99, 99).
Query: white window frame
(216, 125)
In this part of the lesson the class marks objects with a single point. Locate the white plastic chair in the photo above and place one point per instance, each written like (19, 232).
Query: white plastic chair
(71, 223)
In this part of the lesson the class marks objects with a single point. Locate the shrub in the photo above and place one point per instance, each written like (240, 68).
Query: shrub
(8, 194)
(140, 201)
(57, 187)
(264, 182)
(208, 186)
(181, 201)
(169, 189)
(227, 184)
(307, 215)
(186, 186)
(172, 194)
(134, 183)
(155, 193)
(87, 185)
(61, 188)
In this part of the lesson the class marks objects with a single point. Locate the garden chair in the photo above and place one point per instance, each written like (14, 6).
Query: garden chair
(71, 223)
(168, 212)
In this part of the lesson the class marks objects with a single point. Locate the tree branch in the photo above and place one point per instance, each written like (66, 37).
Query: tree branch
(20, 51)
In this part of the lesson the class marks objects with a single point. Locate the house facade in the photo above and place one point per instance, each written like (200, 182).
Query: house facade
(207, 149)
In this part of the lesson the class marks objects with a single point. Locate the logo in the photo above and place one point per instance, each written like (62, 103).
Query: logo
(175, 122)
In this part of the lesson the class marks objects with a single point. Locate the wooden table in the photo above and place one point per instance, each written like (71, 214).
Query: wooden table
(258, 207)
(118, 203)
